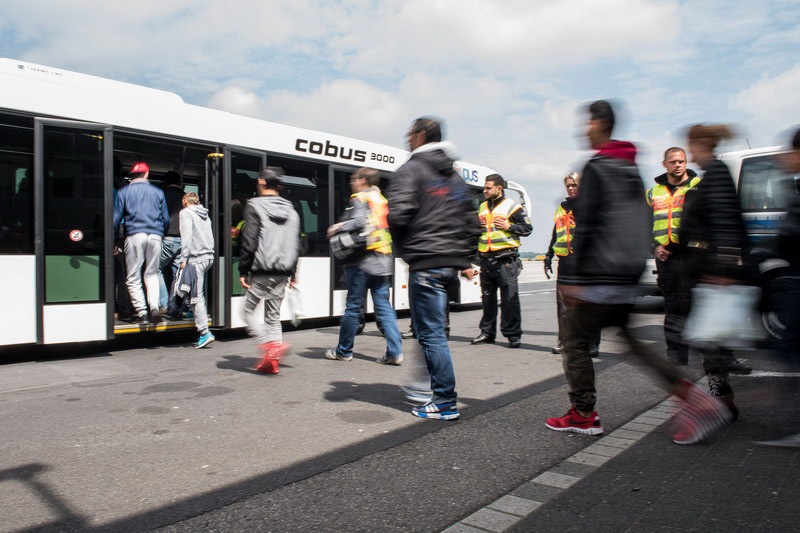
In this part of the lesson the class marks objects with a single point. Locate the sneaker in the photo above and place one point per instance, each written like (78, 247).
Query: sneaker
(156, 317)
(792, 441)
(559, 348)
(333, 355)
(389, 360)
(735, 366)
(441, 411)
(415, 395)
(514, 342)
(273, 351)
(700, 416)
(573, 422)
(205, 339)
(409, 334)
(141, 320)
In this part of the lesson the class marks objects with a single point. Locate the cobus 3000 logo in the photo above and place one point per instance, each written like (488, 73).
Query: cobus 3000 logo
(329, 149)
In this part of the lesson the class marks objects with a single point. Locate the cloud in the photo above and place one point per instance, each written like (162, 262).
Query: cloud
(766, 102)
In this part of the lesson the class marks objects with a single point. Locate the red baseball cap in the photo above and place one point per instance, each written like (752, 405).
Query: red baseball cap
(140, 168)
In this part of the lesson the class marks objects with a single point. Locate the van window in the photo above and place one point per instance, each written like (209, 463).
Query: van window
(765, 186)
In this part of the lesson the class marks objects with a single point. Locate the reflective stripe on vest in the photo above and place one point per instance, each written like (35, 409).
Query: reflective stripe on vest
(494, 239)
(378, 239)
(667, 211)
(565, 229)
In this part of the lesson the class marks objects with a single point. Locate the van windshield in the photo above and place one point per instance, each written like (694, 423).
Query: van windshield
(765, 186)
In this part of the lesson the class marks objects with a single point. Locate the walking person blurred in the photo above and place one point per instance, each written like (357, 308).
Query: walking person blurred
(611, 247)
(269, 248)
(371, 271)
(197, 254)
(430, 218)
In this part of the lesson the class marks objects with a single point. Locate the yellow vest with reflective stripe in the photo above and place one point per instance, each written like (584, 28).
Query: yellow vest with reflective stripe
(667, 210)
(378, 237)
(493, 239)
(565, 229)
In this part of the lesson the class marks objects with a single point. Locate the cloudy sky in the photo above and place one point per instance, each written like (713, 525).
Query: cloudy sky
(507, 76)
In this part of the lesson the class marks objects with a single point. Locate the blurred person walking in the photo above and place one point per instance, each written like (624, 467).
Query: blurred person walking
(713, 241)
(269, 248)
(610, 247)
(430, 219)
(371, 270)
(503, 221)
(784, 269)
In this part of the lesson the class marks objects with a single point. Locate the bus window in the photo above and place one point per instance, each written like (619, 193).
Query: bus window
(16, 185)
(765, 186)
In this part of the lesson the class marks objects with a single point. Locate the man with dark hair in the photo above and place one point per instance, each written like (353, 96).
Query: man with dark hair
(611, 244)
(371, 271)
(430, 216)
(269, 248)
(503, 222)
(144, 209)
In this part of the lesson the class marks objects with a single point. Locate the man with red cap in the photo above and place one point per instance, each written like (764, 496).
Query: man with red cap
(142, 207)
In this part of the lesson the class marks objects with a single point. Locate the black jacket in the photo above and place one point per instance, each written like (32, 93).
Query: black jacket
(432, 218)
(712, 229)
(612, 230)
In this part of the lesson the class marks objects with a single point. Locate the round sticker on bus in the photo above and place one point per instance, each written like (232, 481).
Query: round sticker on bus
(76, 235)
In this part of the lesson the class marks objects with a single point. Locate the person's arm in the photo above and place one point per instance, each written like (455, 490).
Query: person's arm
(248, 241)
(187, 232)
(520, 223)
(403, 200)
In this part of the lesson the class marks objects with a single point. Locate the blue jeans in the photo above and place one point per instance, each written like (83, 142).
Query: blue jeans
(358, 282)
(170, 257)
(428, 290)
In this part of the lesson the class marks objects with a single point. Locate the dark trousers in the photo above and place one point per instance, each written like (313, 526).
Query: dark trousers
(676, 306)
(582, 325)
(500, 274)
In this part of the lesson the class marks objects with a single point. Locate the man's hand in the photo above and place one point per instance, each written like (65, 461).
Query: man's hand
(469, 273)
(548, 267)
(243, 282)
(661, 253)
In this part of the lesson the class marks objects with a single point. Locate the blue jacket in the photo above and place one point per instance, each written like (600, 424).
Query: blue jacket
(143, 207)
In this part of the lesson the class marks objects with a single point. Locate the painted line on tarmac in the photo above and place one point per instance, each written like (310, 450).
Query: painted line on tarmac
(505, 512)
(764, 374)
(526, 293)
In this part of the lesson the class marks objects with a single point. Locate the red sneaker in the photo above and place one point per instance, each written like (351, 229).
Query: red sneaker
(700, 416)
(575, 423)
(269, 364)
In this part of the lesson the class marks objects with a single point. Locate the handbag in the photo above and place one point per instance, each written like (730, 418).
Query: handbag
(348, 246)
(724, 316)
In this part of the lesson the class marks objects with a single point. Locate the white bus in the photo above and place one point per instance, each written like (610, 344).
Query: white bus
(66, 140)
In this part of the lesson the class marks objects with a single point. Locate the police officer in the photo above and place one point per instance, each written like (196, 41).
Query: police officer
(503, 222)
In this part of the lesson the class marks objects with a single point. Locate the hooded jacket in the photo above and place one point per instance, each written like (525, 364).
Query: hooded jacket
(432, 218)
(612, 220)
(197, 237)
(270, 239)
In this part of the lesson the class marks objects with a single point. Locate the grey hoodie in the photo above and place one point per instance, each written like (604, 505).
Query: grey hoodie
(197, 238)
(270, 238)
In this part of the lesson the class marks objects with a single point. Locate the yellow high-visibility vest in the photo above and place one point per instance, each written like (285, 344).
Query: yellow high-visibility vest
(378, 239)
(667, 210)
(565, 230)
(494, 239)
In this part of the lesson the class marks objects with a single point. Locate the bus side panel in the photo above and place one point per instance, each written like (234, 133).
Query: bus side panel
(313, 280)
(75, 322)
(400, 284)
(18, 287)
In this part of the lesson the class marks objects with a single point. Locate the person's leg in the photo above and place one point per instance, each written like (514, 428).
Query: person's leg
(199, 308)
(134, 260)
(511, 313)
(256, 326)
(581, 323)
(428, 288)
(676, 309)
(152, 255)
(348, 325)
(385, 314)
(275, 290)
(489, 275)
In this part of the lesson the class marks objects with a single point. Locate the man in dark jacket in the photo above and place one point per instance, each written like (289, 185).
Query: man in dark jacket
(430, 216)
(269, 248)
(610, 247)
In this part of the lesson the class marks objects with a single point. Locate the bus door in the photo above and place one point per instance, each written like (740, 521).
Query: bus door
(73, 231)
(241, 170)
